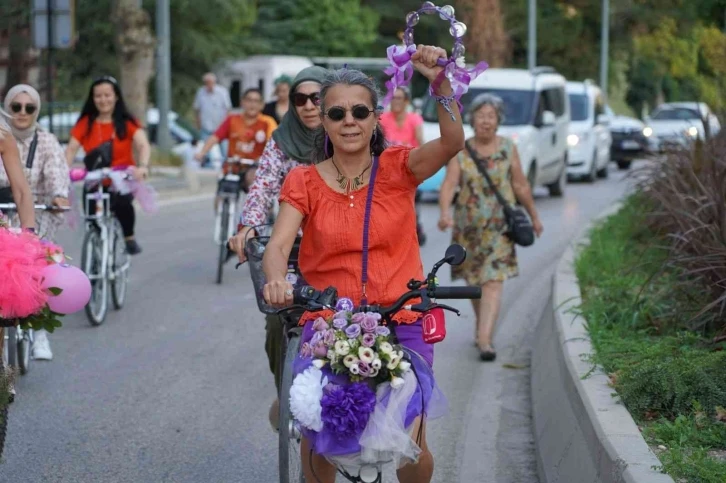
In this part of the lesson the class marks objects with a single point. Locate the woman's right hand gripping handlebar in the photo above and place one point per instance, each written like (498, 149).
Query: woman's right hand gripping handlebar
(278, 293)
(237, 242)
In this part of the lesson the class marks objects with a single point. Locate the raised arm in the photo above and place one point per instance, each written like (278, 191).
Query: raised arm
(18, 184)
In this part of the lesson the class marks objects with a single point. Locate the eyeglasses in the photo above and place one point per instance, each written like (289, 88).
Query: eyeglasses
(360, 112)
(16, 107)
(300, 99)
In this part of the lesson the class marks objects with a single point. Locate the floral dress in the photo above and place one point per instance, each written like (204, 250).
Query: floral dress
(479, 223)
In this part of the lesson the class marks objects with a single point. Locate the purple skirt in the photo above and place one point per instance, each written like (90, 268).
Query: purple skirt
(427, 399)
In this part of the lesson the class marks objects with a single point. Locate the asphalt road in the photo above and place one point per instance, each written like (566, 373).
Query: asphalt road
(175, 387)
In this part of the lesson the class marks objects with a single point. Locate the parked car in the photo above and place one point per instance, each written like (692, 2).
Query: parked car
(677, 124)
(537, 118)
(589, 139)
(184, 137)
(628, 140)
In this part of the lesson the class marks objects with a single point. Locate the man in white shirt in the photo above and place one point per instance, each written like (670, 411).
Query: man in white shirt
(211, 105)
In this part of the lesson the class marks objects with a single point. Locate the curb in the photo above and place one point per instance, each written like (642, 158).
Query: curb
(582, 433)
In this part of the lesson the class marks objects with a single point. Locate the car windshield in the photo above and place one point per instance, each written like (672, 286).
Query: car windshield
(517, 105)
(579, 108)
(676, 114)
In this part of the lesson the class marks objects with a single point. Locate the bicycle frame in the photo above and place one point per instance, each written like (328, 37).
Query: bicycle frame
(232, 196)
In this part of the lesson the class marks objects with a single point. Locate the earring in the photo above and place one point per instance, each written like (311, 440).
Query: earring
(375, 136)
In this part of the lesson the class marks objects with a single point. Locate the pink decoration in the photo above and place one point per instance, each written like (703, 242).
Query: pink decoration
(77, 174)
(22, 261)
(75, 286)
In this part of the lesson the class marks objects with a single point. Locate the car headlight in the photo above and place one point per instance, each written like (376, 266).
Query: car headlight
(692, 131)
(573, 140)
(647, 132)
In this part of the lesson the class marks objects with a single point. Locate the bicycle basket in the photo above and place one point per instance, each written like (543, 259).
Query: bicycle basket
(254, 251)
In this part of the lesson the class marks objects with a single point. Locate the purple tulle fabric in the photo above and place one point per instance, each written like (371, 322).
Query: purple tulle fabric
(427, 398)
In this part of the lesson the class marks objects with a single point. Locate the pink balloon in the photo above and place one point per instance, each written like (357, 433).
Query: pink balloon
(77, 174)
(74, 283)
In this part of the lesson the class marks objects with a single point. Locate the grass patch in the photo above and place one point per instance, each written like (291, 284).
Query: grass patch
(671, 379)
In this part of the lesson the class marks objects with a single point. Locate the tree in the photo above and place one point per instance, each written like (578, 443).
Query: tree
(15, 21)
(320, 28)
(135, 52)
(486, 38)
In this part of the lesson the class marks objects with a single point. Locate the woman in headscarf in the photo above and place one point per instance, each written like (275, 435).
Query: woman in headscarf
(291, 144)
(278, 108)
(44, 165)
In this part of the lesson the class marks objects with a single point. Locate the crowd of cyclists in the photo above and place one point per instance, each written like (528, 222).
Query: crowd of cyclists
(316, 151)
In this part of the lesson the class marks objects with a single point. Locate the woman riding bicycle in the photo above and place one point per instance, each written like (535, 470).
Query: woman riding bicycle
(291, 145)
(19, 186)
(329, 200)
(106, 128)
(46, 170)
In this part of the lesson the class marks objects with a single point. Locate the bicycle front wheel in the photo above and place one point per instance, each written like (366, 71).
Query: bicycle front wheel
(120, 262)
(224, 223)
(11, 347)
(24, 343)
(289, 433)
(92, 265)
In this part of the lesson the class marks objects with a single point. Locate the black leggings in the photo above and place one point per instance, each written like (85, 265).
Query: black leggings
(122, 206)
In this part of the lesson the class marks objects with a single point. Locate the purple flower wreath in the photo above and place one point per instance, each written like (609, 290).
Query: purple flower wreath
(346, 409)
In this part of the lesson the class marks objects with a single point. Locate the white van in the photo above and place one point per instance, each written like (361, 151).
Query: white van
(537, 117)
(589, 139)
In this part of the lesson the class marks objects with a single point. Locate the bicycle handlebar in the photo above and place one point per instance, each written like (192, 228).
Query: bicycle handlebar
(14, 207)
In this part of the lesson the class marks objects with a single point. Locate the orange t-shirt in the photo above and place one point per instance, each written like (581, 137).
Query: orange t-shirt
(122, 149)
(246, 140)
(332, 244)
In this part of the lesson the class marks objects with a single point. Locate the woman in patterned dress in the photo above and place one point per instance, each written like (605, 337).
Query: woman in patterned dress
(478, 222)
(46, 172)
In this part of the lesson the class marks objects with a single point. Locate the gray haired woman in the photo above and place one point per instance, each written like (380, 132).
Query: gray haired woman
(478, 222)
(44, 165)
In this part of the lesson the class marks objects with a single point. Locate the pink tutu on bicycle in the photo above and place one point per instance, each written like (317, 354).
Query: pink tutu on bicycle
(384, 436)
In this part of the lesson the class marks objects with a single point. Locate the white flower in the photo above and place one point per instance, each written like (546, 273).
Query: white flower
(366, 354)
(342, 347)
(305, 395)
(460, 62)
(386, 348)
(397, 382)
(404, 366)
(374, 372)
(319, 363)
(350, 360)
(331, 354)
(354, 369)
(393, 364)
(376, 364)
(58, 258)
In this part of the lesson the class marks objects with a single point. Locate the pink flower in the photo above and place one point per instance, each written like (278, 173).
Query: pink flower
(320, 350)
(369, 324)
(358, 317)
(369, 340)
(306, 350)
(320, 324)
(329, 338)
(364, 369)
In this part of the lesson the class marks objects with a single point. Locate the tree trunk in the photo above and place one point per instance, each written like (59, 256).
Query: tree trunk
(18, 29)
(486, 38)
(135, 45)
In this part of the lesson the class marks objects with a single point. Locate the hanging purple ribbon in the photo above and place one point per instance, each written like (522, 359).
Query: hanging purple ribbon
(401, 69)
(460, 78)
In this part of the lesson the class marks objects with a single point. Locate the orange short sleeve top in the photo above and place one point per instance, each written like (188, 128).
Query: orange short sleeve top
(332, 243)
(121, 149)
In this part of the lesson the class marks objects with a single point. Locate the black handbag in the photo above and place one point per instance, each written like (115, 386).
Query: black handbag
(520, 229)
(99, 157)
(6, 194)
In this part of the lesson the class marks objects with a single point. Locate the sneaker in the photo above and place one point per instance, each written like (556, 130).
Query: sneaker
(274, 415)
(132, 247)
(41, 347)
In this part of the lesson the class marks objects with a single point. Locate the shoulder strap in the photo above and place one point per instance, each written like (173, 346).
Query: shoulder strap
(366, 225)
(31, 151)
(482, 169)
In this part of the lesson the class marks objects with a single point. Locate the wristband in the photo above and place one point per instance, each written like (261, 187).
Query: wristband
(30, 230)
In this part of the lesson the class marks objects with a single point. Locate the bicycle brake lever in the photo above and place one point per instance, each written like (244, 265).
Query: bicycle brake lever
(445, 307)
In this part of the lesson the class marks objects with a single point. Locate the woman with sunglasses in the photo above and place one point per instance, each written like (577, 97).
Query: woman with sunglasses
(105, 119)
(328, 200)
(291, 145)
(45, 169)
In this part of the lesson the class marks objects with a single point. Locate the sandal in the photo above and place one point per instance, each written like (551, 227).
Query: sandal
(487, 354)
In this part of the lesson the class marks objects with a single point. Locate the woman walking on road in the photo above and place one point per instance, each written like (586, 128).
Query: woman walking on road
(478, 222)
(45, 169)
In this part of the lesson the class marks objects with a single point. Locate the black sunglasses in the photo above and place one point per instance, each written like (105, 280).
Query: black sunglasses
(360, 112)
(16, 107)
(300, 99)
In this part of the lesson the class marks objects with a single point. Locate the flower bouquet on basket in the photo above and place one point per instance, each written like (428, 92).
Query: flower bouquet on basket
(353, 388)
(37, 286)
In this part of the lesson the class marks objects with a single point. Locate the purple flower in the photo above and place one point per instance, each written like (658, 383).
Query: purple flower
(341, 315)
(340, 324)
(344, 304)
(369, 324)
(320, 350)
(352, 331)
(364, 369)
(329, 337)
(320, 324)
(383, 330)
(306, 350)
(316, 339)
(346, 409)
(358, 317)
(369, 340)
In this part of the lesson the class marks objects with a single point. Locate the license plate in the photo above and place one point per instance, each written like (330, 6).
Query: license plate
(630, 145)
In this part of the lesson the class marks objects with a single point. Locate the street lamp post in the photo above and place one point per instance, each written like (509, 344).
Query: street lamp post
(532, 36)
(604, 47)
(163, 73)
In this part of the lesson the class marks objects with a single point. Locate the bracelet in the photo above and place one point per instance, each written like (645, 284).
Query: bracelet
(30, 230)
(443, 100)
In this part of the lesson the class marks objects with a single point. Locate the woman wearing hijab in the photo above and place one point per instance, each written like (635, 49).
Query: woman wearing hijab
(45, 169)
(279, 107)
(291, 145)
